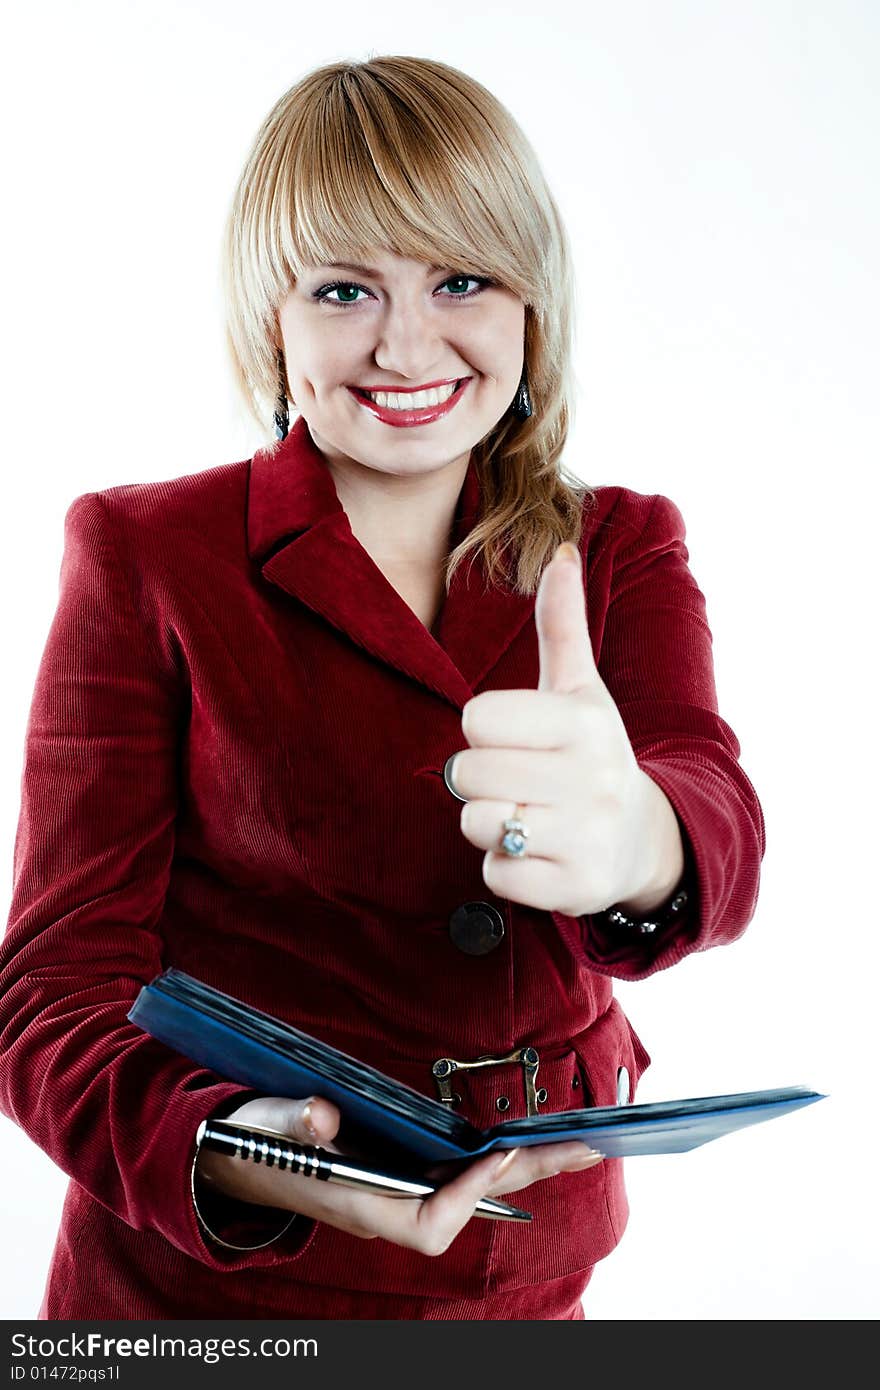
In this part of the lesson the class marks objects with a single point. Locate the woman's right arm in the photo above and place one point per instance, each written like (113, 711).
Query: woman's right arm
(113, 1108)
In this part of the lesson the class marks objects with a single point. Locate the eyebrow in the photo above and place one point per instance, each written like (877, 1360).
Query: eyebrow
(369, 270)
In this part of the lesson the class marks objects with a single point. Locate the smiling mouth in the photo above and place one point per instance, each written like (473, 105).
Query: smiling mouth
(421, 398)
(407, 410)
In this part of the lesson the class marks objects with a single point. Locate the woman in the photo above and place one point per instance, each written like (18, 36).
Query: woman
(287, 709)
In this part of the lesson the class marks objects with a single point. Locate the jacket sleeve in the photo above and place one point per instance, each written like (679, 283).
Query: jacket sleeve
(656, 660)
(113, 1108)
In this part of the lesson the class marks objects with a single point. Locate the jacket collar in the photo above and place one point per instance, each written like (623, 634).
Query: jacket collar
(299, 534)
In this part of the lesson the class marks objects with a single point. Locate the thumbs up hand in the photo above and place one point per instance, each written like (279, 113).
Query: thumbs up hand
(561, 754)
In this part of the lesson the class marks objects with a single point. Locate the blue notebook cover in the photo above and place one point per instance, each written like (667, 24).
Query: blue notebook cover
(385, 1117)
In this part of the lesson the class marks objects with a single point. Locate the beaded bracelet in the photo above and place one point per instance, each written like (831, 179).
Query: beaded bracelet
(662, 916)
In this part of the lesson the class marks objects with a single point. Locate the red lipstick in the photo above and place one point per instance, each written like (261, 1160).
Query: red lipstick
(404, 418)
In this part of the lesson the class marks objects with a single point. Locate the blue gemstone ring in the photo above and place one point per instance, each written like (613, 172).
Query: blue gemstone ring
(513, 841)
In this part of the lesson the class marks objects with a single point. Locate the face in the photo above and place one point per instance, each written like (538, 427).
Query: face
(401, 327)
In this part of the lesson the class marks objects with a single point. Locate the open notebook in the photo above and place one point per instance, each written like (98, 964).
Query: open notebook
(383, 1116)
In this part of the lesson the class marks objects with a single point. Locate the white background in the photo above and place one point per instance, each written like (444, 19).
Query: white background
(716, 165)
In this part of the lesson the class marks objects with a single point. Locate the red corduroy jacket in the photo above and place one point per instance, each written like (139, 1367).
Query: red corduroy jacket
(233, 765)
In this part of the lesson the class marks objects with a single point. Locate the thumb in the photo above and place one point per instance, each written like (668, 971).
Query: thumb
(565, 655)
(312, 1120)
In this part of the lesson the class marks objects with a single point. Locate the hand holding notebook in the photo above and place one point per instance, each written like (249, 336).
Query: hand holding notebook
(357, 1197)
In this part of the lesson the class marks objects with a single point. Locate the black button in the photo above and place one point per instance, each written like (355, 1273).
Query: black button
(476, 928)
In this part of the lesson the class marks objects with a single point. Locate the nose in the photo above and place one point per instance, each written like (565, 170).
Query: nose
(408, 344)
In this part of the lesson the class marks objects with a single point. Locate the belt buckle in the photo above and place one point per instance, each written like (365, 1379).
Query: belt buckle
(445, 1067)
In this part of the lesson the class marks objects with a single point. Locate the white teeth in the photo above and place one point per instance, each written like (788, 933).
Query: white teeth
(417, 400)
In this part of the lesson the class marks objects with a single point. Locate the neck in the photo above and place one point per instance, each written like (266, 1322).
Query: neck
(404, 521)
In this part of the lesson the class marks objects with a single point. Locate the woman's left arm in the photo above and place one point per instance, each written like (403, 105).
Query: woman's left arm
(630, 776)
(656, 662)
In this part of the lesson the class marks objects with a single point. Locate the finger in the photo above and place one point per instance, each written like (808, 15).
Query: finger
(442, 1216)
(321, 1119)
(427, 1224)
(564, 648)
(530, 775)
(519, 719)
(533, 882)
(482, 823)
(311, 1120)
(540, 1161)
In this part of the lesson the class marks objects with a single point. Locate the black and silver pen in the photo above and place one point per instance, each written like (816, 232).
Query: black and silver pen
(280, 1151)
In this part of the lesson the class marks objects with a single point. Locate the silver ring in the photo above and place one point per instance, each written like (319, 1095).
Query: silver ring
(513, 841)
(447, 776)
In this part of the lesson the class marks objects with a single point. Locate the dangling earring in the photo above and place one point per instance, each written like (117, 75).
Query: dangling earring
(282, 414)
(522, 401)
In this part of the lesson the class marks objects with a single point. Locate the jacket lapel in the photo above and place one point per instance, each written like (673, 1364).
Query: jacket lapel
(299, 534)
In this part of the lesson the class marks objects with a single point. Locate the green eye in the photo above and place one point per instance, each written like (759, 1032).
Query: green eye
(342, 288)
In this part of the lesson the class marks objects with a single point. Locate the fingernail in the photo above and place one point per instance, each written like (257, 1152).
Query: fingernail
(504, 1163)
(589, 1157)
(308, 1121)
(567, 551)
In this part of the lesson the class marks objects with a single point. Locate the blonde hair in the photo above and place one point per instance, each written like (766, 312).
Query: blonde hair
(412, 155)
